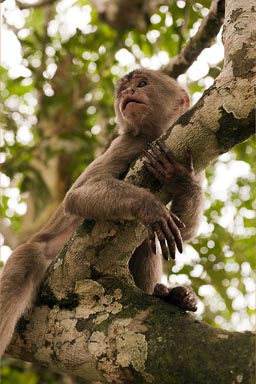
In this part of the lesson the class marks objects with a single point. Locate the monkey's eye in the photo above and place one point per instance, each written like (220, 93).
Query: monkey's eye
(141, 84)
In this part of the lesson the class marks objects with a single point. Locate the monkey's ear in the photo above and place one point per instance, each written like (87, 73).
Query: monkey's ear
(185, 100)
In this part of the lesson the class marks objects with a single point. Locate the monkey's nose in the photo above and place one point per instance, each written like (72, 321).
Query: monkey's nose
(129, 90)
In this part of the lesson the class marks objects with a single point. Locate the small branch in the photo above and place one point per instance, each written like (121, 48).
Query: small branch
(204, 38)
(39, 4)
(126, 14)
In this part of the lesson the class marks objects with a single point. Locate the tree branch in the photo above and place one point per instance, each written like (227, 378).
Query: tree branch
(120, 335)
(204, 38)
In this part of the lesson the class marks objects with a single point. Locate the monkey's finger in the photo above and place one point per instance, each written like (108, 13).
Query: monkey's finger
(164, 249)
(176, 234)
(153, 160)
(177, 221)
(154, 149)
(188, 158)
(171, 246)
(169, 236)
(161, 238)
(160, 155)
(171, 157)
(170, 241)
(156, 172)
(155, 163)
(153, 246)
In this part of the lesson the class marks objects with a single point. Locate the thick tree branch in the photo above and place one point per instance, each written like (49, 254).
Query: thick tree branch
(119, 335)
(204, 38)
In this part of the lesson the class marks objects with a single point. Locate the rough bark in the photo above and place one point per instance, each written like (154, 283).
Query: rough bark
(119, 335)
(90, 320)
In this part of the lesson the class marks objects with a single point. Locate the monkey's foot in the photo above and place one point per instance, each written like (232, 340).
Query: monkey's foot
(182, 296)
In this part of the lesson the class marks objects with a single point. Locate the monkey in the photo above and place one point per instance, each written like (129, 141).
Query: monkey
(147, 103)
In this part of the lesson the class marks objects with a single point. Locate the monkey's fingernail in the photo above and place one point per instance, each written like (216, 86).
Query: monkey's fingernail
(181, 222)
(153, 147)
(178, 221)
(180, 247)
(147, 154)
(153, 245)
(165, 255)
(163, 146)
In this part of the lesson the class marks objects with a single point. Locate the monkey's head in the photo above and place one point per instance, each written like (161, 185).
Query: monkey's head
(147, 102)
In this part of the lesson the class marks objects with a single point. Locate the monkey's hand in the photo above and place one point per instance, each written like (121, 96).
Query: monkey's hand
(166, 168)
(165, 225)
(181, 296)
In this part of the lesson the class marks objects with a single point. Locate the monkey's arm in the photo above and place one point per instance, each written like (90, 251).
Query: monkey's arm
(183, 183)
(112, 199)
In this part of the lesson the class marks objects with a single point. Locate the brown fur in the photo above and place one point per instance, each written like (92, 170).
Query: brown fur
(98, 193)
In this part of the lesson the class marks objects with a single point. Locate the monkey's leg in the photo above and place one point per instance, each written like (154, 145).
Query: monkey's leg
(181, 296)
(19, 281)
(146, 267)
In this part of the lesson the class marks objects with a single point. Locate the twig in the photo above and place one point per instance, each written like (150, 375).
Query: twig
(204, 38)
(39, 4)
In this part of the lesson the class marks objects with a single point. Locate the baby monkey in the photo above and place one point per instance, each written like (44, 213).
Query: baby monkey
(146, 104)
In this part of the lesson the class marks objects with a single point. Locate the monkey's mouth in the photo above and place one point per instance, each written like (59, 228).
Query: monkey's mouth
(129, 100)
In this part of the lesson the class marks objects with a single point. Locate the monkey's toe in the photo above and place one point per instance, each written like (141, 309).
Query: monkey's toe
(161, 290)
(183, 297)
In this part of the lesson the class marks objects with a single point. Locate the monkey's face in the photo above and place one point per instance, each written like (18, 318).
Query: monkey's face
(132, 102)
(148, 102)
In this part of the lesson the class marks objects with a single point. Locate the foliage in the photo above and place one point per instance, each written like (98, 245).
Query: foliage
(221, 269)
(19, 372)
(58, 115)
(12, 375)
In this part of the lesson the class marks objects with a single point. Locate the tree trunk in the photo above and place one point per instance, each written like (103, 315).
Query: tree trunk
(90, 320)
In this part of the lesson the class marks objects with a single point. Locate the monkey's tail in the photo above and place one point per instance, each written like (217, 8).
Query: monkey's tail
(19, 281)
